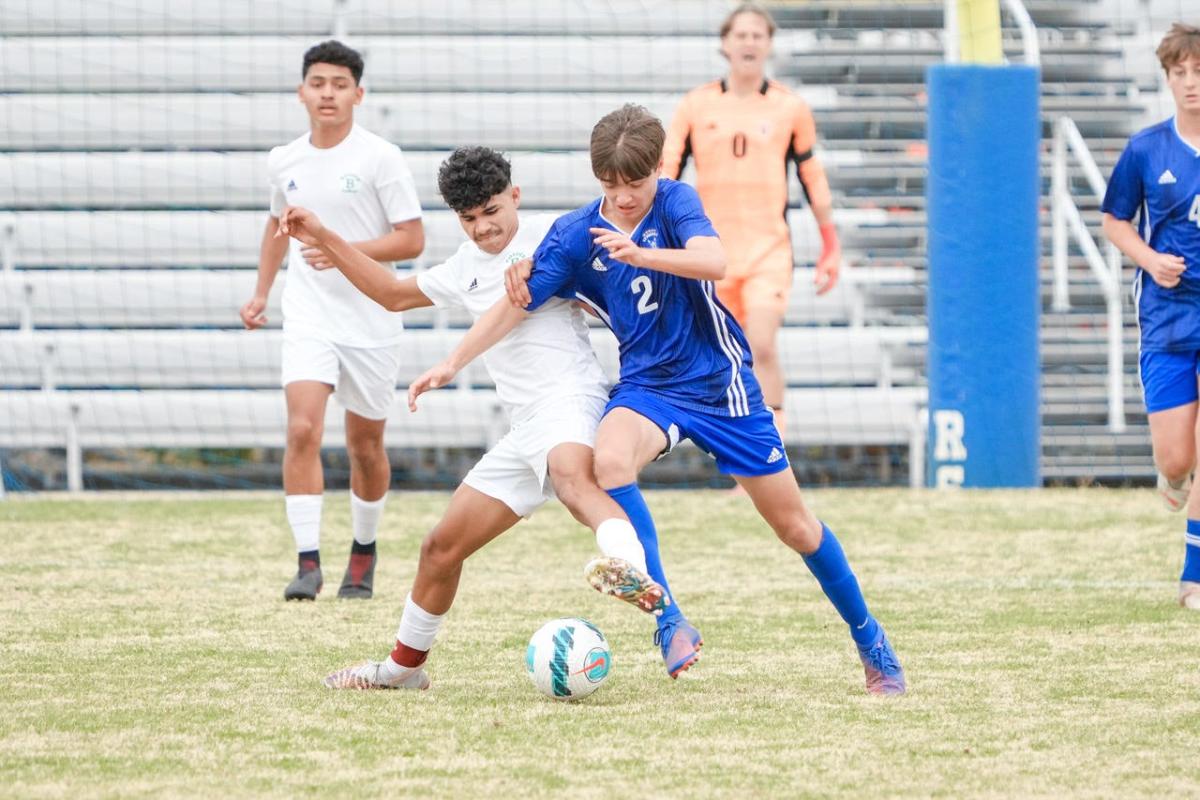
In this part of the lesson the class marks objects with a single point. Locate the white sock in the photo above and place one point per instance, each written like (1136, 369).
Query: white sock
(304, 515)
(391, 670)
(418, 628)
(364, 516)
(616, 538)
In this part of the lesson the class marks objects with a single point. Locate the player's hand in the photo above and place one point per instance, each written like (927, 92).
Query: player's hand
(829, 265)
(618, 245)
(1165, 269)
(516, 282)
(252, 313)
(434, 378)
(315, 257)
(302, 225)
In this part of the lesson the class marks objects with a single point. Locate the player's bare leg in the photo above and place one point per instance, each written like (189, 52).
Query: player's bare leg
(304, 483)
(471, 521)
(777, 498)
(1173, 438)
(762, 332)
(1189, 582)
(621, 571)
(625, 443)
(370, 477)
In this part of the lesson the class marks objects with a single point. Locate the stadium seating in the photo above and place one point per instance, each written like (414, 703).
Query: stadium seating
(132, 179)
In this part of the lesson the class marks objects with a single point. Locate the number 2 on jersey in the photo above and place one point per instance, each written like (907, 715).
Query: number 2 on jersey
(641, 286)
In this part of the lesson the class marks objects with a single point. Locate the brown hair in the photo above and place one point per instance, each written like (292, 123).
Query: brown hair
(1180, 43)
(627, 142)
(748, 8)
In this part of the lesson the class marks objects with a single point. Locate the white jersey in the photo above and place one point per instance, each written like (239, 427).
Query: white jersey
(548, 355)
(360, 188)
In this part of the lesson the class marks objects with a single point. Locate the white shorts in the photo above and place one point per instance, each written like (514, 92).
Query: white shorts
(515, 472)
(363, 378)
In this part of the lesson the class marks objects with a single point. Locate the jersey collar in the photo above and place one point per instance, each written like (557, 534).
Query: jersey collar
(1183, 141)
(761, 89)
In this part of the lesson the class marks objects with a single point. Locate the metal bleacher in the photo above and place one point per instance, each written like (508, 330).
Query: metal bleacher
(132, 193)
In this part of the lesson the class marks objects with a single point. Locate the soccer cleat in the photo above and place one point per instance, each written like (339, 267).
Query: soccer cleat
(1189, 595)
(1172, 496)
(370, 675)
(622, 580)
(305, 585)
(884, 675)
(680, 643)
(359, 578)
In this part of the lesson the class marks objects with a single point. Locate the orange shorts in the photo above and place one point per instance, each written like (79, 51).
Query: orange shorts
(763, 286)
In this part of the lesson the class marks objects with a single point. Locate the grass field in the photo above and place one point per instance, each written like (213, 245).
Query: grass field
(145, 651)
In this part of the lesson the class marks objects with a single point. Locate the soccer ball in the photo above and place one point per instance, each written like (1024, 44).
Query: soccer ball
(568, 658)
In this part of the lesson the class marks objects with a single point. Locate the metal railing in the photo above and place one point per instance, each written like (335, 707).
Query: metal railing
(1065, 217)
(1029, 35)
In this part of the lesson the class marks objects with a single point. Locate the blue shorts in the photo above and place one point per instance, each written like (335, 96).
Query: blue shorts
(748, 446)
(1169, 379)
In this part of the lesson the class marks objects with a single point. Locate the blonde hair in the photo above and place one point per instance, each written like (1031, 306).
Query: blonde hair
(749, 8)
(1181, 43)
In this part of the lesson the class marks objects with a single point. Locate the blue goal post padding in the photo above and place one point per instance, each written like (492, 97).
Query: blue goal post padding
(983, 194)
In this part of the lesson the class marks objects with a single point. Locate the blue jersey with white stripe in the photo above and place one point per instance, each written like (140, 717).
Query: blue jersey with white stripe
(675, 338)
(1158, 179)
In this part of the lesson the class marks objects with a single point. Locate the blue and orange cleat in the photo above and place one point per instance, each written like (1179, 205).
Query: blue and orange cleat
(884, 675)
(680, 643)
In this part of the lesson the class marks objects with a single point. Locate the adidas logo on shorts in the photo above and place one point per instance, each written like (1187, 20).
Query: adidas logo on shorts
(775, 455)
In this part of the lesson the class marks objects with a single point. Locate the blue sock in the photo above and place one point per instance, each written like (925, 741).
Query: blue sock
(1191, 556)
(828, 564)
(630, 499)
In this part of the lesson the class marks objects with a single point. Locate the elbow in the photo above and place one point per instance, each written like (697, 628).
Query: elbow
(718, 268)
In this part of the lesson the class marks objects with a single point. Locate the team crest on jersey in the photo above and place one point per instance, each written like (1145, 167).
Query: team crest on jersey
(599, 265)
(291, 187)
(515, 257)
(650, 237)
(350, 183)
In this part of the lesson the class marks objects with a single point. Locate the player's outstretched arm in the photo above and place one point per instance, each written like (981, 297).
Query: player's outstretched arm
(1164, 268)
(369, 276)
(490, 328)
(702, 257)
(270, 256)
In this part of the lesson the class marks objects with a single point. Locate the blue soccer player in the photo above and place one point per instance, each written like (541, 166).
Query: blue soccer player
(1158, 179)
(643, 258)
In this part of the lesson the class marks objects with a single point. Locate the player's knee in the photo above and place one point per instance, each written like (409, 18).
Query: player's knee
(801, 532)
(765, 349)
(614, 469)
(439, 553)
(1176, 462)
(366, 449)
(303, 433)
(569, 484)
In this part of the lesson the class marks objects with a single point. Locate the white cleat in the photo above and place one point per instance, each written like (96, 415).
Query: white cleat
(1172, 496)
(1189, 595)
(372, 676)
(618, 578)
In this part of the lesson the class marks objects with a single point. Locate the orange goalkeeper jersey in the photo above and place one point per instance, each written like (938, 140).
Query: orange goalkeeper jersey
(742, 147)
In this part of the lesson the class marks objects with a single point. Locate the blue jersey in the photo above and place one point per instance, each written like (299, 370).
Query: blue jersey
(1158, 179)
(675, 338)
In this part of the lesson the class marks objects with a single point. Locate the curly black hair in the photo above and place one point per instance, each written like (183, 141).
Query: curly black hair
(336, 53)
(472, 175)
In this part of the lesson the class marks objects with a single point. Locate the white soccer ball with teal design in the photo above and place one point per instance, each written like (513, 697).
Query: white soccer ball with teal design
(568, 658)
